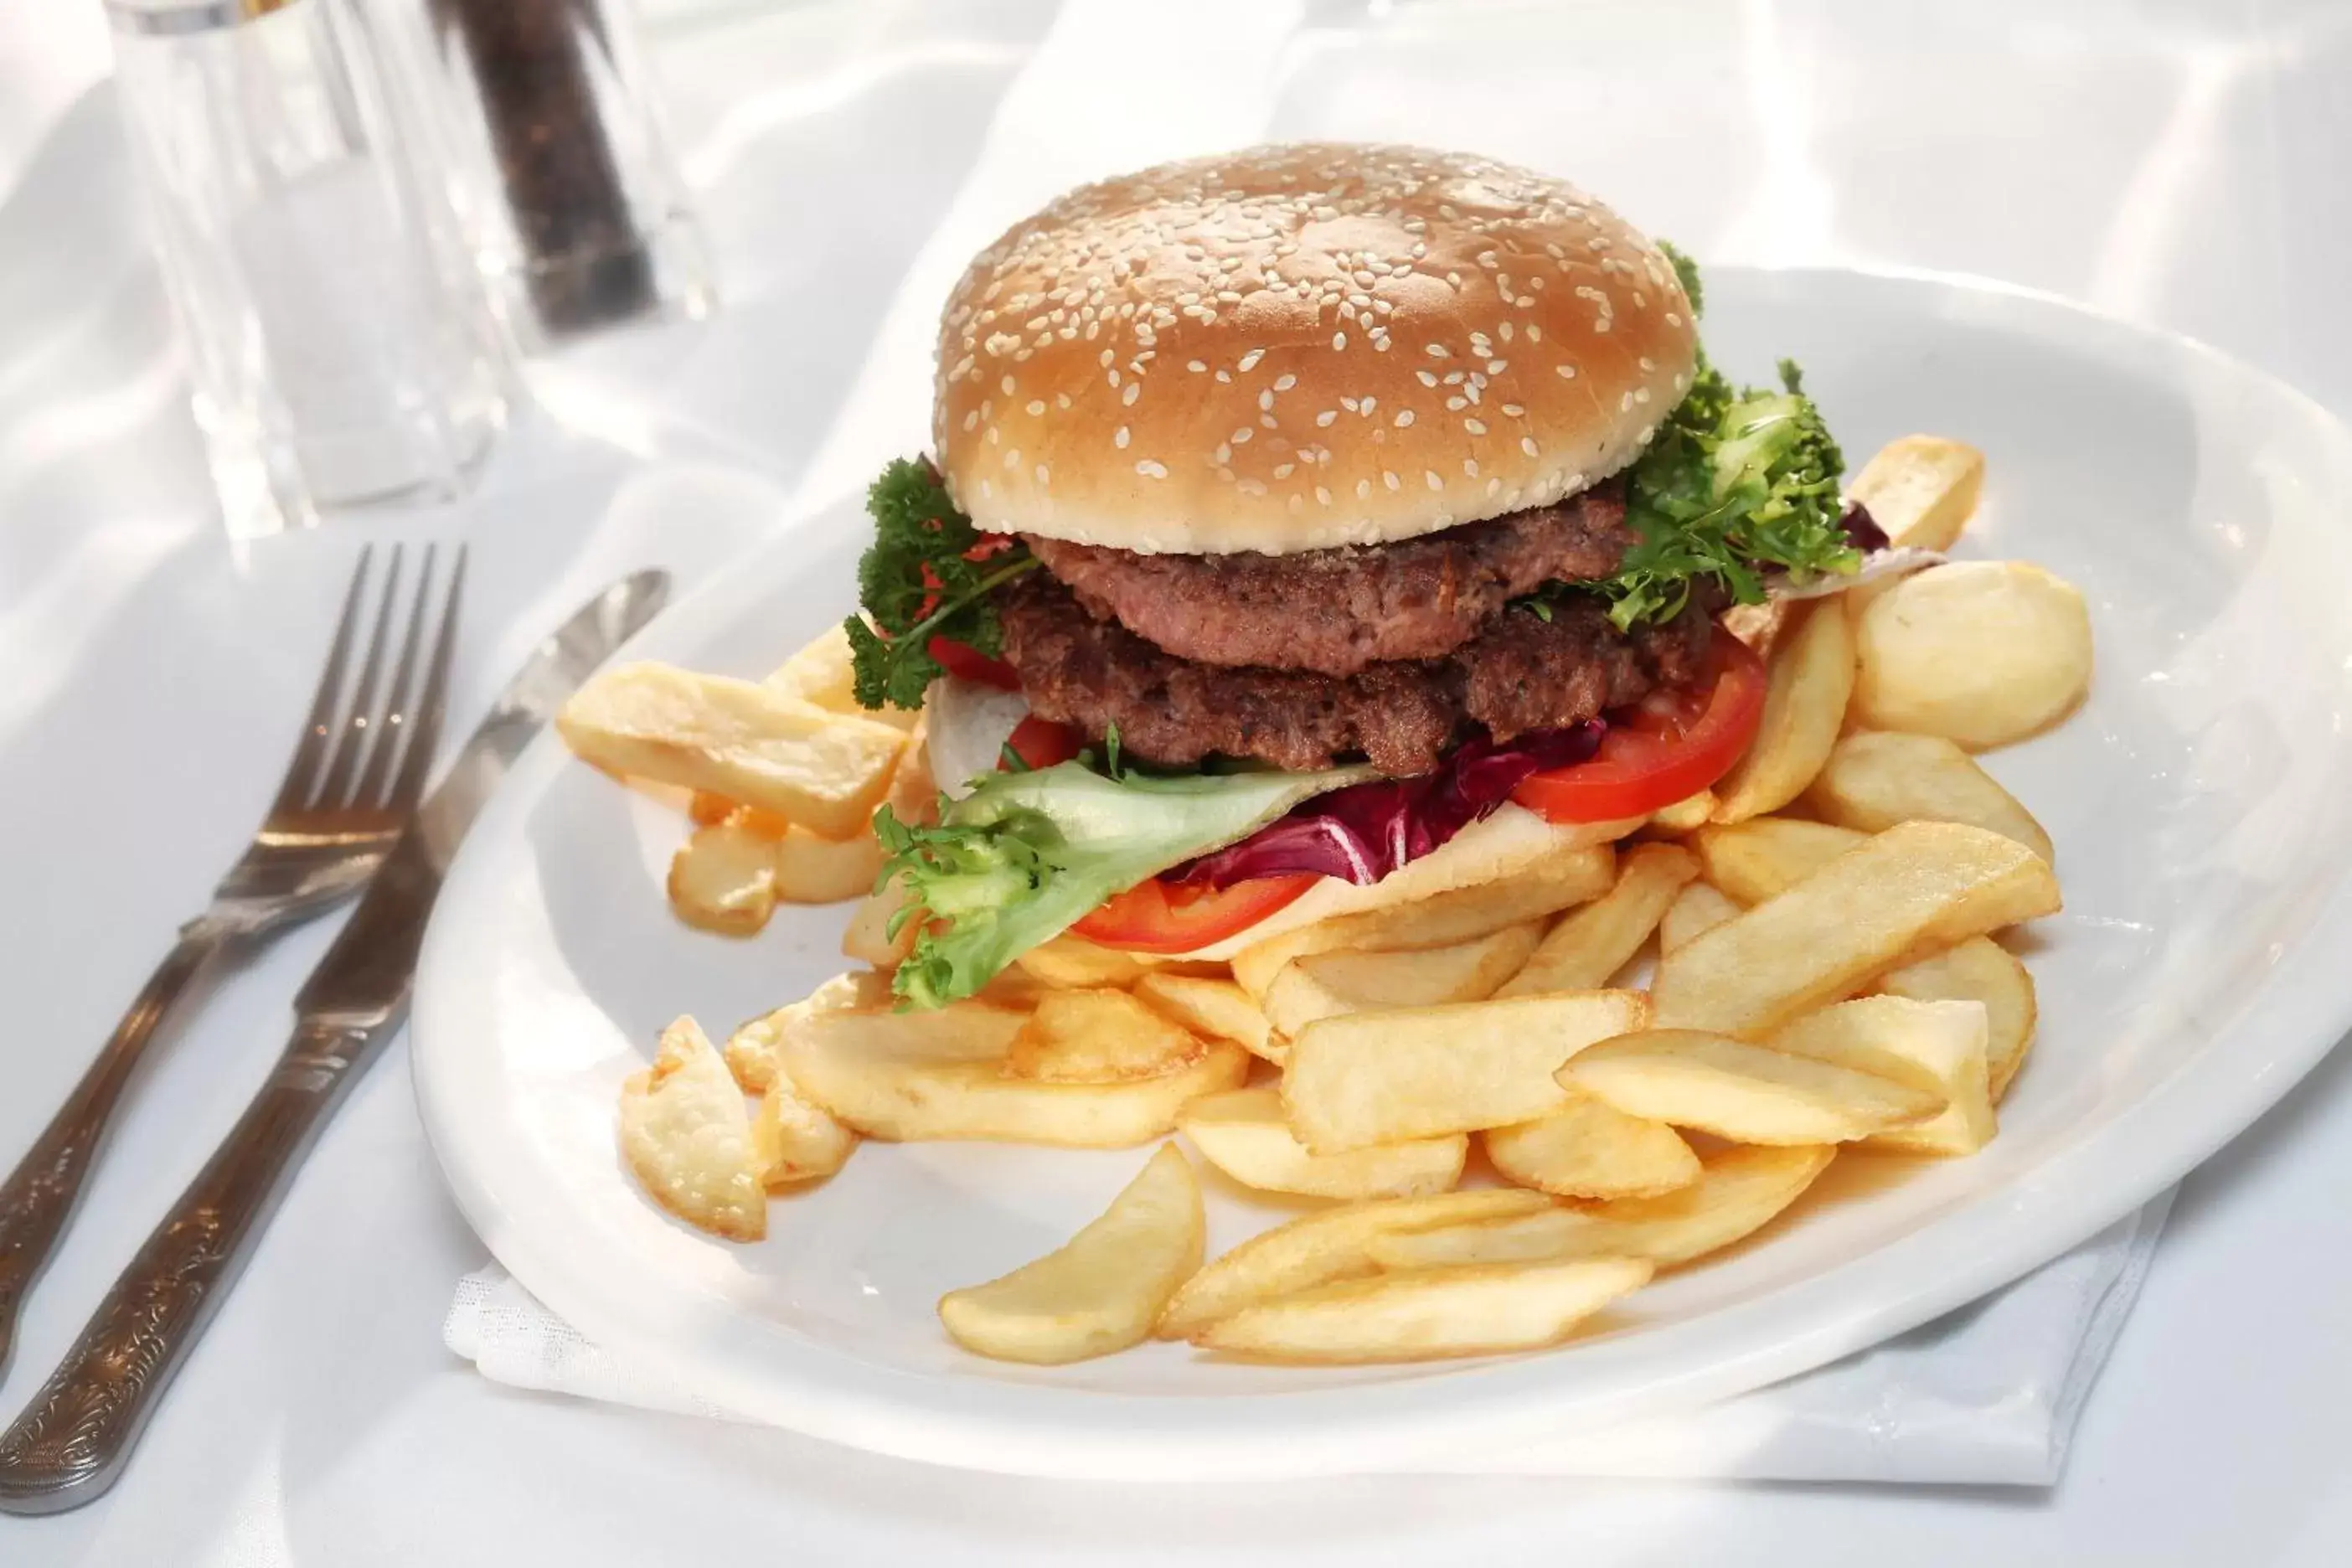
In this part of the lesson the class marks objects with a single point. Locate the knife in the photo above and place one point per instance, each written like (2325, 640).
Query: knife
(71, 1443)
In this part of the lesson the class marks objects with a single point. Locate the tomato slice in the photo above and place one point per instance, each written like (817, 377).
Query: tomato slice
(1041, 743)
(1670, 747)
(963, 660)
(1156, 918)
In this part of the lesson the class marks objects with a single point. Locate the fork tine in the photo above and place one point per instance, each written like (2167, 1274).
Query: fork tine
(302, 772)
(392, 714)
(424, 726)
(352, 734)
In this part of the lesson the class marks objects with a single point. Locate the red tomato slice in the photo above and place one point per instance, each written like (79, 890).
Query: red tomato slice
(963, 660)
(1156, 918)
(1668, 748)
(1041, 743)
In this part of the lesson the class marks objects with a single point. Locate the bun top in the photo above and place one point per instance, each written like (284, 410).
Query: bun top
(1296, 347)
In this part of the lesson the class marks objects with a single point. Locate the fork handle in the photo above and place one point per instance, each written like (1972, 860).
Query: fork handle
(40, 1193)
(71, 1443)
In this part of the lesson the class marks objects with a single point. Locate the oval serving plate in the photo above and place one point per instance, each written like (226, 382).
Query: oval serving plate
(2201, 801)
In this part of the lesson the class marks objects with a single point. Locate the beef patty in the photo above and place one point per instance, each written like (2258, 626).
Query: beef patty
(1342, 611)
(1519, 673)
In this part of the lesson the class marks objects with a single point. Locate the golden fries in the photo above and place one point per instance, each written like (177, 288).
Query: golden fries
(1590, 1150)
(1686, 815)
(867, 936)
(1328, 984)
(1981, 652)
(1804, 704)
(751, 1050)
(723, 879)
(823, 674)
(686, 1137)
(1917, 885)
(1696, 908)
(1244, 1133)
(1377, 1077)
(1476, 1310)
(1102, 1289)
(1098, 1036)
(1978, 970)
(1590, 945)
(813, 870)
(735, 738)
(1752, 860)
(1743, 1093)
(1935, 1047)
(793, 1141)
(1218, 1009)
(1876, 778)
(1072, 963)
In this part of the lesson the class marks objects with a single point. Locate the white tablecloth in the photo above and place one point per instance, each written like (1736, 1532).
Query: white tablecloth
(2167, 161)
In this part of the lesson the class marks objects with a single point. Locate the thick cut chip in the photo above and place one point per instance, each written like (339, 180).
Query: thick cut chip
(1591, 944)
(1739, 1192)
(1696, 908)
(1939, 1047)
(867, 937)
(753, 1048)
(1876, 778)
(1591, 1150)
(1981, 652)
(1421, 1072)
(824, 673)
(723, 879)
(1920, 490)
(1102, 1289)
(687, 1136)
(1218, 1009)
(794, 1139)
(940, 1074)
(1078, 963)
(1328, 984)
(1245, 1134)
(1752, 860)
(1098, 1036)
(735, 738)
(914, 794)
(1320, 1248)
(1804, 706)
(1555, 882)
(1747, 1093)
(813, 870)
(1483, 1309)
(1917, 885)
(1978, 970)
(1688, 815)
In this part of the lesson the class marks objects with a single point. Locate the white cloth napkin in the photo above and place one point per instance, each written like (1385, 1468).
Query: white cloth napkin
(1987, 1395)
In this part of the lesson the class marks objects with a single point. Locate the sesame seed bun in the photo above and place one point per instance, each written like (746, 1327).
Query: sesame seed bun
(1296, 347)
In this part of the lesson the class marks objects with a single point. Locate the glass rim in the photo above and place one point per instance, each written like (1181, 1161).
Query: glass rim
(175, 17)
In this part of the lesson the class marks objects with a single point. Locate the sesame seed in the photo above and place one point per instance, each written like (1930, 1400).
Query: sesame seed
(1285, 382)
(1283, 470)
(1036, 406)
(1493, 486)
(1469, 468)
(1514, 410)
(1041, 473)
(1119, 438)
(1535, 332)
(1624, 402)
(1641, 395)
(1403, 418)
(1195, 366)
(1151, 470)
(1565, 371)
(1390, 481)
(1475, 426)
(1497, 366)
(1134, 390)
(1007, 384)
(1435, 351)
(1324, 419)
(1322, 496)
(1242, 435)
(1363, 488)
(1434, 482)
(1252, 487)
(1527, 445)
(1427, 378)
(1249, 359)
(970, 418)
(1266, 400)
(1338, 339)
(1011, 459)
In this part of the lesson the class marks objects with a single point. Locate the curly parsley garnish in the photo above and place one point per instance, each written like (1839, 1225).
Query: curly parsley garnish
(917, 580)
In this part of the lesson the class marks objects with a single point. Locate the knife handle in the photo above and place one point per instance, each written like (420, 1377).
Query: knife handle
(71, 1443)
(39, 1195)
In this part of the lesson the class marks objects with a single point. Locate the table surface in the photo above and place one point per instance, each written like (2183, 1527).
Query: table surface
(2172, 163)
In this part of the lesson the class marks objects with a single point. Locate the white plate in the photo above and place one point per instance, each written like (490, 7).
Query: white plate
(2201, 803)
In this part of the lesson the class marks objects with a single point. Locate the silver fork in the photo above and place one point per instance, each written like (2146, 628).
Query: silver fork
(352, 786)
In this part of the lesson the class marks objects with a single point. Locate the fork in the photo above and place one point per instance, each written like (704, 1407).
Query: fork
(349, 790)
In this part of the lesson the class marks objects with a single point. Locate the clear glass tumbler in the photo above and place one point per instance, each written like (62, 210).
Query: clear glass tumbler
(343, 349)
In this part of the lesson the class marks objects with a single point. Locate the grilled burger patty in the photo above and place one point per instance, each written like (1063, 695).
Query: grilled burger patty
(1517, 673)
(1340, 611)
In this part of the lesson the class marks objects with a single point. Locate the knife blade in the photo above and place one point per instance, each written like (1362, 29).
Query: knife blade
(71, 1442)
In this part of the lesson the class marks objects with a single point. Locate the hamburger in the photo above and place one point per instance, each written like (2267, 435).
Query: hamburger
(1311, 526)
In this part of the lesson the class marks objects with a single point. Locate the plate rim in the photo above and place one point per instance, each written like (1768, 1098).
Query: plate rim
(2295, 1016)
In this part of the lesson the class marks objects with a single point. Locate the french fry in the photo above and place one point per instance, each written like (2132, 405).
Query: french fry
(1550, 884)
(1098, 1036)
(914, 793)
(705, 809)
(1752, 860)
(723, 879)
(1326, 984)
(824, 673)
(1074, 963)
(1920, 490)
(940, 1074)
(687, 1136)
(867, 938)
(1422, 1072)
(1217, 1009)
(1739, 1191)
(1588, 1149)
(1804, 705)
(1980, 652)
(1688, 815)
(735, 738)
(1746, 1093)
(793, 1140)
(1476, 1310)
(1696, 908)
(1876, 778)
(1592, 944)
(1915, 886)
(751, 1050)
(1101, 1290)
(1978, 970)
(813, 870)
(1244, 1133)
(1319, 1247)
(1937, 1047)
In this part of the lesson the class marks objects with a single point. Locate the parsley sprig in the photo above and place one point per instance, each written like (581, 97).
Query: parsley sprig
(917, 580)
